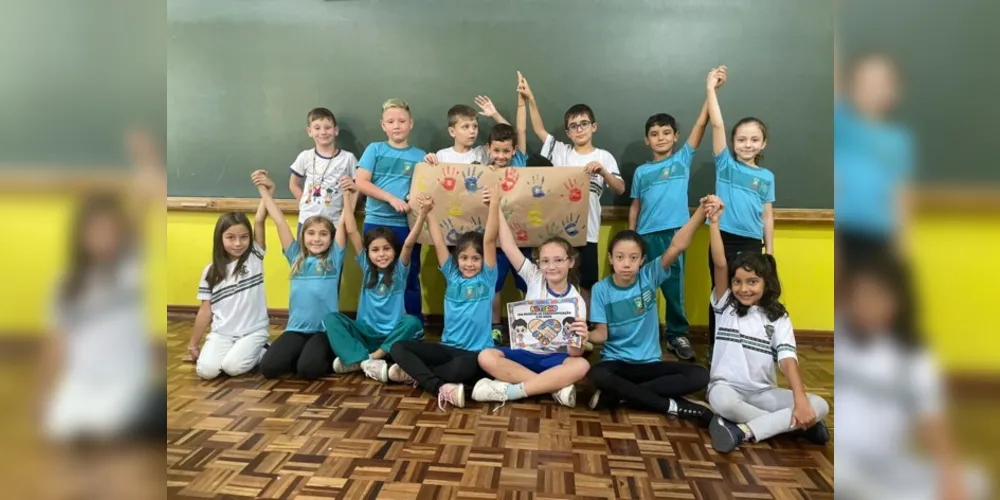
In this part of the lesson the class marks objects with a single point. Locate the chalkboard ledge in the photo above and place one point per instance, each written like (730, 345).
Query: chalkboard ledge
(289, 206)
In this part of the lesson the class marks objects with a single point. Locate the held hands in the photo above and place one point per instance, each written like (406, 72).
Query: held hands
(523, 88)
(426, 203)
(260, 179)
(713, 206)
(716, 77)
(486, 105)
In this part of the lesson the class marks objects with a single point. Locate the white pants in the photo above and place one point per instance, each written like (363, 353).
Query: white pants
(232, 356)
(767, 413)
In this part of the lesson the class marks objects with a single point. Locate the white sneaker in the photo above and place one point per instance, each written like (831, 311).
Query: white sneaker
(453, 394)
(566, 396)
(490, 390)
(594, 400)
(396, 374)
(340, 367)
(376, 369)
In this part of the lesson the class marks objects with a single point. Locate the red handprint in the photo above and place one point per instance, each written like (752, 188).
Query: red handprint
(575, 194)
(447, 179)
(510, 177)
(519, 233)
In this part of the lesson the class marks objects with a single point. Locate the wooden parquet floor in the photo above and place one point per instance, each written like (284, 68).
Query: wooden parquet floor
(349, 437)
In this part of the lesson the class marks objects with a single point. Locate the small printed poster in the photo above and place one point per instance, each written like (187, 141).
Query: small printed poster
(544, 324)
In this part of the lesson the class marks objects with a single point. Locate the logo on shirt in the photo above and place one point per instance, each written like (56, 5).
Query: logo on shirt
(769, 331)
(755, 184)
(381, 289)
(473, 291)
(639, 304)
(407, 167)
(244, 271)
(667, 172)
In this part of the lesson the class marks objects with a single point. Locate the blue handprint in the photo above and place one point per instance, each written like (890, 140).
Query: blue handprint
(477, 225)
(572, 225)
(536, 186)
(451, 234)
(472, 176)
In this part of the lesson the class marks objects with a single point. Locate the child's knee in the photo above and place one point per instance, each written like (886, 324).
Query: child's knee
(723, 401)
(819, 406)
(234, 366)
(700, 376)
(600, 377)
(580, 366)
(488, 358)
(207, 369)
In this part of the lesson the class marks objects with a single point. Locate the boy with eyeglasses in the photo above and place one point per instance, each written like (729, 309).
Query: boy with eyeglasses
(602, 167)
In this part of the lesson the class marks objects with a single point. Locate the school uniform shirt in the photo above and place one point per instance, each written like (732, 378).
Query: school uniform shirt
(888, 384)
(539, 290)
(475, 156)
(315, 288)
(239, 306)
(563, 155)
(662, 190)
(631, 315)
(871, 161)
(321, 193)
(391, 170)
(748, 348)
(744, 190)
(468, 307)
(381, 306)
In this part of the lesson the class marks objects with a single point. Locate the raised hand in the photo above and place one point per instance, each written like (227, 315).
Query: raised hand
(510, 177)
(721, 75)
(426, 203)
(486, 105)
(523, 88)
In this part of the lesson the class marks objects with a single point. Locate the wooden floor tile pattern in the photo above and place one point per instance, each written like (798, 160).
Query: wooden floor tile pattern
(348, 437)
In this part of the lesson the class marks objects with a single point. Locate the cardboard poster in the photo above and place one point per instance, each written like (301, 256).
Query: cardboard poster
(539, 202)
(543, 323)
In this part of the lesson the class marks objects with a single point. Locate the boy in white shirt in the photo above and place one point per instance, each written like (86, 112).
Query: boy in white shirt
(602, 167)
(463, 126)
(320, 168)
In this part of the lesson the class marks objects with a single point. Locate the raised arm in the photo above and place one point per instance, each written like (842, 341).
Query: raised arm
(698, 131)
(264, 186)
(682, 239)
(720, 269)
(440, 247)
(715, 112)
(507, 242)
(522, 124)
(350, 221)
(488, 110)
(492, 226)
(426, 204)
(536, 116)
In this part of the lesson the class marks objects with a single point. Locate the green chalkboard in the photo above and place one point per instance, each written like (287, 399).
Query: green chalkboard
(242, 75)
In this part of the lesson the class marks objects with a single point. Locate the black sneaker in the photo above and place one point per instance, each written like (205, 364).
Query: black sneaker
(817, 434)
(694, 411)
(681, 347)
(726, 436)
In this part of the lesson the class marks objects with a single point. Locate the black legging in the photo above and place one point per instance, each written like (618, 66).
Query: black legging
(433, 365)
(648, 385)
(307, 355)
(733, 245)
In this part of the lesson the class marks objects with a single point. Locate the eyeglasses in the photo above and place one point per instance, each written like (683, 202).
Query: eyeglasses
(553, 262)
(576, 127)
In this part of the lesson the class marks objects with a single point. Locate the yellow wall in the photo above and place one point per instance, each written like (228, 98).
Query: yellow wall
(954, 256)
(805, 250)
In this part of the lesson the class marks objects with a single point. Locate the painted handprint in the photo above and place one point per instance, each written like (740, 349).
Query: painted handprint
(506, 209)
(572, 225)
(455, 209)
(535, 217)
(536, 186)
(553, 230)
(574, 193)
(450, 233)
(519, 233)
(477, 225)
(472, 176)
(447, 179)
(510, 177)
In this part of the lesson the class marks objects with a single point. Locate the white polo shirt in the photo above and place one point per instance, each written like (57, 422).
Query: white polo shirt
(747, 349)
(239, 306)
(563, 155)
(475, 156)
